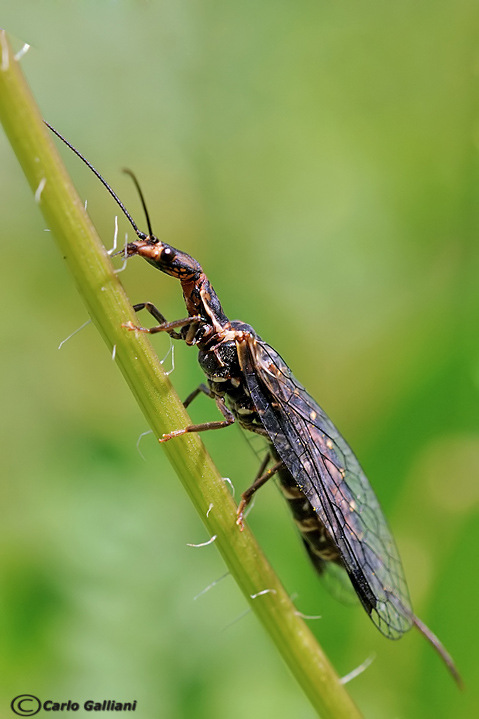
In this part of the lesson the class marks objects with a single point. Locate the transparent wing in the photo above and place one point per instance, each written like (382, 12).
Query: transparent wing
(333, 577)
(327, 472)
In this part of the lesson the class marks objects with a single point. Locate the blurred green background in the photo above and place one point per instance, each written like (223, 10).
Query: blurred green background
(320, 161)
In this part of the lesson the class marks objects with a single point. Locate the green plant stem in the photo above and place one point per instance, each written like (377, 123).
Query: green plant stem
(109, 308)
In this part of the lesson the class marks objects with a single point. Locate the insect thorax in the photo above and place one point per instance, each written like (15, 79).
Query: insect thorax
(220, 363)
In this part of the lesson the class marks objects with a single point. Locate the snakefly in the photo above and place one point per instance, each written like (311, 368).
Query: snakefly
(335, 508)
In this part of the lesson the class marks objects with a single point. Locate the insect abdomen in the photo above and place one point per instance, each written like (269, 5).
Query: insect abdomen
(319, 544)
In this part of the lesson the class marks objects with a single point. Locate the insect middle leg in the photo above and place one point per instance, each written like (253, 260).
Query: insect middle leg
(261, 478)
(193, 395)
(205, 426)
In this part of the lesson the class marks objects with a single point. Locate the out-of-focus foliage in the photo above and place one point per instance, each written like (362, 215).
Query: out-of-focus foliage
(320, 160)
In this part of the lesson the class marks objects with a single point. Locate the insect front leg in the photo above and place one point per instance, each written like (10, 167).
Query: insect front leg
(220, 403)
(261, 478)
(164, 325)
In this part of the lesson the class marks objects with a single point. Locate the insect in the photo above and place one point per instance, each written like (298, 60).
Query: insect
(332, 502)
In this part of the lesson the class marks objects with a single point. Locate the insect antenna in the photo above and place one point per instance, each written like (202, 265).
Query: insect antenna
(137, 185)
(130, 219)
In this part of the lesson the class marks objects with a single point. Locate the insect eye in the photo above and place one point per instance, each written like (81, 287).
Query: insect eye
(168, 254)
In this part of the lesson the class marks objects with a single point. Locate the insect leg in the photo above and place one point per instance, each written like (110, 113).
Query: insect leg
(164, 326)
(202, 388)
(227, 414)
(261, 478)
(154, 311)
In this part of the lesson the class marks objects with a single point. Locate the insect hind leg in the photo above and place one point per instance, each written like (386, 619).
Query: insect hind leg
(261, 478)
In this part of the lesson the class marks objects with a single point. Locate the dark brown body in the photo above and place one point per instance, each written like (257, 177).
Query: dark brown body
(330, 498)
(221, 364)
